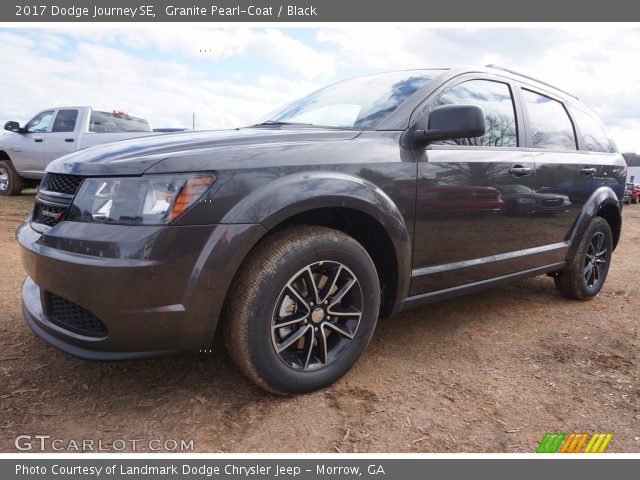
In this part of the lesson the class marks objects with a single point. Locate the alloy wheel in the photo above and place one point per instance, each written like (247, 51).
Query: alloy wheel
(595, 260)
(317, 315)
(4, 179)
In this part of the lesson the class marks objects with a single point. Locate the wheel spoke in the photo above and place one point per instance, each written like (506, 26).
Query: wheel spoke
(293, 338)
(587, 273)
(342, 292)
(298, 296)
(309, 341)
(599, 238)
(596, 274)
(340, 330)
(322, 345)
(310, 282)
(331, 283)
(345, 312)
(289, 320)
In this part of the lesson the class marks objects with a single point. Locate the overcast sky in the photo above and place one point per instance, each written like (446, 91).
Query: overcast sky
(230, 77)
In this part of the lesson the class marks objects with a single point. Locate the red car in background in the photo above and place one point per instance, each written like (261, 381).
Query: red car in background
(634, 193)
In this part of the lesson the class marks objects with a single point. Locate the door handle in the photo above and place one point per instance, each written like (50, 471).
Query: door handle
(520, 171)
(37, 140)
(70, 140)
(589, 172)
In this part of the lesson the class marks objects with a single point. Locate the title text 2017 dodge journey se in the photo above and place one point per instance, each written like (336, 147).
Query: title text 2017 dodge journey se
(294, 235)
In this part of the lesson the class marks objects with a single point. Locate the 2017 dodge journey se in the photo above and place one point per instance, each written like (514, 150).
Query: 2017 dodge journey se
(295, 235)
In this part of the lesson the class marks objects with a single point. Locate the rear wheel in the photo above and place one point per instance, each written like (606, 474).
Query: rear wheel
(10, 181)
(588, 271)
(302, 309)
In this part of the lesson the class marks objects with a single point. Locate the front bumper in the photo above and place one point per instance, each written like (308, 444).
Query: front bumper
(157, 290)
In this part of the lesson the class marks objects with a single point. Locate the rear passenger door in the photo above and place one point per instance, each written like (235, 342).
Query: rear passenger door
(565, 177)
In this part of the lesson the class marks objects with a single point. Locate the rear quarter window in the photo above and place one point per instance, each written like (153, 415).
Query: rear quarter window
(594, 136)
(106, 122)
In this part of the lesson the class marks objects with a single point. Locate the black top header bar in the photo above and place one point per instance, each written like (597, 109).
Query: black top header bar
(224, 11)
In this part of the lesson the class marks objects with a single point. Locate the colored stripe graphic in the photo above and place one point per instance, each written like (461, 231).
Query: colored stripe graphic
(574, 442)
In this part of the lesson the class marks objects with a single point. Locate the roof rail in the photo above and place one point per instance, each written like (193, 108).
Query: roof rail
(497, 67)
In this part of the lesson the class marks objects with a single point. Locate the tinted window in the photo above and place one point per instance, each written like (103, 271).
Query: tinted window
(550, 126)
(40, 123)
(357, 103)
(594, 137)
(65, 121)
(495, 100)
(105, 122)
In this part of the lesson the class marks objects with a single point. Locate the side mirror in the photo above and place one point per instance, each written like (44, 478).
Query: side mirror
(13, 127)
(452, 121)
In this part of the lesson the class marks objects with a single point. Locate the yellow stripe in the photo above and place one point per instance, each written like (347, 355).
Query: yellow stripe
(607, 439)
(583, 439)
(593, 439)
(600, 436)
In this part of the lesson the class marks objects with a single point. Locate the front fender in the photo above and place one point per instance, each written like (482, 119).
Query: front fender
(304, 191)
(599, 199)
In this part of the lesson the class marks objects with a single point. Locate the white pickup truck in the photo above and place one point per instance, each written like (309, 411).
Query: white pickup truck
(26, 151)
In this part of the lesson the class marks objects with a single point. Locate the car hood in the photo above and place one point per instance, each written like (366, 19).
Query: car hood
(135, 156)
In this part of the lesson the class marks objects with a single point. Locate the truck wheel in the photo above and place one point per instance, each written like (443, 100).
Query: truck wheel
(10, 181)
(588, 271)
(302, 309)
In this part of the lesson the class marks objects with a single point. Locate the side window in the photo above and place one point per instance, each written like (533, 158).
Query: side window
(40, 123)
(550, 126)
(593, 134)
(497, 103)
(65, 121)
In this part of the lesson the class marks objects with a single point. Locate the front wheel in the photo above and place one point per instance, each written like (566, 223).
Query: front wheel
(10, 181)
(302, 309)
(586, 275)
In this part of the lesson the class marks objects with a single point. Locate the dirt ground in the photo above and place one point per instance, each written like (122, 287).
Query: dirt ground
(490, 372)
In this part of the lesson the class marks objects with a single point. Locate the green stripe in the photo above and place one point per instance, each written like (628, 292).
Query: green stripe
(554, 448)
(543, 443)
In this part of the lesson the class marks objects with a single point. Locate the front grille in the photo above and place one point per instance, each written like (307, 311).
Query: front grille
(47, 214)
(53, 199)
(60, 183)
(73, 317)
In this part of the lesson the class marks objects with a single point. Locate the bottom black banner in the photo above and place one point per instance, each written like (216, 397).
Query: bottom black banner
(317, 468)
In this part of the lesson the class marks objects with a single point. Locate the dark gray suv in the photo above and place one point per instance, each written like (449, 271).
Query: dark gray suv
(296, 234)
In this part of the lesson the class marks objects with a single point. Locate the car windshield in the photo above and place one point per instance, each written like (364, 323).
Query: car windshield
(356, 103)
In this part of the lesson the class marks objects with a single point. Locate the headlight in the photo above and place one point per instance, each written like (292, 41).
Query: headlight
(146, 200)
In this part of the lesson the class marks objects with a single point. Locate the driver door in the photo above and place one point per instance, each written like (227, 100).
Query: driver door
(27, 149)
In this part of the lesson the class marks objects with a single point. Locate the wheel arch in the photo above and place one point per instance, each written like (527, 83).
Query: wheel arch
(5, 156)
(347, 203)
(603, 202)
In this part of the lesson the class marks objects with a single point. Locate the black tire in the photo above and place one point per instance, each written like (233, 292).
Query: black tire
(281, 275)
(588, 271)
(10, 181)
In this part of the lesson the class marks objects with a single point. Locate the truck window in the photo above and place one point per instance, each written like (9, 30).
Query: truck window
(40, 123)
(105, 122)
(495, 100)
(65, 121)
(551, 126)
(594, 137)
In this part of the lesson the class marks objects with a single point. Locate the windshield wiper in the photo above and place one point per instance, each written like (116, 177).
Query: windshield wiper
(275, 122)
